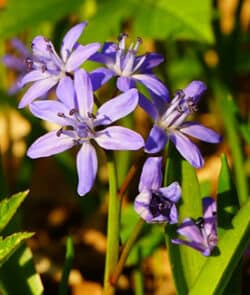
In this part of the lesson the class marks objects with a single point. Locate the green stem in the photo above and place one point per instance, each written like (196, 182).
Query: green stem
(138, 281)
(113, 227)
(125, 252)
(63, 288)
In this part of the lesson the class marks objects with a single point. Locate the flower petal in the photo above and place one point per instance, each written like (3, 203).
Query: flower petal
(70, 39)
(209, 214)
(80, 55)
(50, 144)
(153, 84)
(66, 93)
(187, 149)
(148, 106)
(173, 216)
(197, 246)
(48, 110)
(152, 60)
(100, 76)
(117, 108)
(125, 83)
(141, 206)
(172, 192)
(190, 230)
(13, 62)
(195, 90)
(38, 89)
(84, 93)
(119, 138)
(201, 132)
(20, 47)
(156, 141)
(151, 176)
(39, 47)
(86, 168)
(34, 76)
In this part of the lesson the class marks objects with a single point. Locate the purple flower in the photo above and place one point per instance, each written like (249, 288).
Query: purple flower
(74, 112)
(17, 63)
(156, 204)
(170, 124)
(48, 68)
(129, 68)
(201, 233)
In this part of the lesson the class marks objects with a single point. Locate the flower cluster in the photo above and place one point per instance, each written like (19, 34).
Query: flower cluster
(82, 124)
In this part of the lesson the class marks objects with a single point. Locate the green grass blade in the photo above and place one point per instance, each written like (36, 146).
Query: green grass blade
(9, 206)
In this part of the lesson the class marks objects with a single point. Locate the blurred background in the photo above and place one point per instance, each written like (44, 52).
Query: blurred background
(204, 40)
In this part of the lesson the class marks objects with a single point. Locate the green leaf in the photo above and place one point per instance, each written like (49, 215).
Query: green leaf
(227, 201)
(175, 19)
(19, 15)
(186, 263)
(9, 206)
(218, 270)
(25, 277)
(9, 245)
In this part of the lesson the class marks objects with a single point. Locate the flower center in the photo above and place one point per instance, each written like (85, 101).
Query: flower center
(160, 205)
(179, 109)
(125, 60)
(79, 128)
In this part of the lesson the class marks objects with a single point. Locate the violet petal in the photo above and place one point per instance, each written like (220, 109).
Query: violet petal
(151, 176)
(86, 168)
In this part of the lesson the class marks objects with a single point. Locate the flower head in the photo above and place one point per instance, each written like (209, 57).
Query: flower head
(201, 233)
(156, 204)
(18, 63)
(170, 124)
(48, 68)
(129, 67)
(79, 126)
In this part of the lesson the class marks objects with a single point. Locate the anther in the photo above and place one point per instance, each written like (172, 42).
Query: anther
(59, 132)
(44, 68)
(139, 40)
(29, 63)
(62, 115)
(49, 48)
(91, 115)
(122, 35)
(180, 93)
(200, 222)
(73, 111)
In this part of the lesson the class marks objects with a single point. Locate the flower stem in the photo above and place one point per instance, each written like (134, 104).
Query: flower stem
(125, 252)
(113, 227)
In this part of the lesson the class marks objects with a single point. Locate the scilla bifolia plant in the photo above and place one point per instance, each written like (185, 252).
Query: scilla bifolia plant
(202, 253)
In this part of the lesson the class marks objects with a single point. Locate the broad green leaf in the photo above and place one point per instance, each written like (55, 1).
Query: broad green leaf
(186, 263)
(227, 201)
(25, 277)
(218, 270)
(9, 206)
(9, 245)
(19, 15)
(175, 19)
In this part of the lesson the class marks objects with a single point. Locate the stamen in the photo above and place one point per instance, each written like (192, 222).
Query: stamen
(44, 68)
(191, 105)
(179, 93)
(61, 115)
(29, 63)
(49, 48)
(200, 222)
(59, 132)
(91, 115)
(73, 111)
